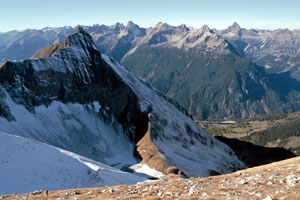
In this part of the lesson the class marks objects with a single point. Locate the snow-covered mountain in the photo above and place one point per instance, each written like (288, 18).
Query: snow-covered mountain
(27, 165)
(85, 102)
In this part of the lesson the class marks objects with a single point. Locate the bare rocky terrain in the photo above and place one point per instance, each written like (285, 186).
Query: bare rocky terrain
(279, 180)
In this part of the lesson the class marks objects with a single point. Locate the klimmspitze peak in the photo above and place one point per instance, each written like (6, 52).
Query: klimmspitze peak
(80, 30)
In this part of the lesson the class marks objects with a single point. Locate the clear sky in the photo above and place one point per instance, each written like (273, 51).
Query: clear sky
(267, 14)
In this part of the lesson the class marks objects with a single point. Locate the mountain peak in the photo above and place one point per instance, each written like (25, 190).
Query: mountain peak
(161, 25)
(131, 27)
(118, 26)
(80, 38)
(184, 27)
(130, 24)
(234, 27)
(235, 24)
(80, 30)
(205, 28)
(134, 29)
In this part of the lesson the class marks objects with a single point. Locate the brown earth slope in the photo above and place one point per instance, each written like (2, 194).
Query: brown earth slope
(280, 180)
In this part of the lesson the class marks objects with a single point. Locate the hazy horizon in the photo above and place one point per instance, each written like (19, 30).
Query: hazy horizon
(257, 14)
(73, 26)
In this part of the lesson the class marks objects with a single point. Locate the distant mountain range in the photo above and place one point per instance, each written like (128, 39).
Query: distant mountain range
(229, 74)
(277, 50)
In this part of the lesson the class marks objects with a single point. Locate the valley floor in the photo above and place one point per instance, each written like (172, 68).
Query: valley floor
(279, 180)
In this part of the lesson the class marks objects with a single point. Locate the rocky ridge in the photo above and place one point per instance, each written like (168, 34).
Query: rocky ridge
(116, 40)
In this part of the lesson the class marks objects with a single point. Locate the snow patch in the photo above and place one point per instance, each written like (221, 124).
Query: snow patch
(74, 127)
(145, 169)
(27, 165)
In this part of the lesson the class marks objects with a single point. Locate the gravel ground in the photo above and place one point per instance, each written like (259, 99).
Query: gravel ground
(280, 180)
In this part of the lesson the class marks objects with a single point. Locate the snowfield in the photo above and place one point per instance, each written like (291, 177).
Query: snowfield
(27, 165)
(73, 127)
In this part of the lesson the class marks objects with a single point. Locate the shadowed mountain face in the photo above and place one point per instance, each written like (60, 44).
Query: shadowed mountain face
(254, 155)
(205, 73)
(85, 102)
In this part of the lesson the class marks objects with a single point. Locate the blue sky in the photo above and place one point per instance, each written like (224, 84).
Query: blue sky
(267, 14)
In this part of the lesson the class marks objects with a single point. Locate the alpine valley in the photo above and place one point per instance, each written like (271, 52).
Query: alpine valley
(72, 117)
(213, 74)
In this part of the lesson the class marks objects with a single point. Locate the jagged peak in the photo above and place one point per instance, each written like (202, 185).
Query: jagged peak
(184, 27)
(234, 27)
(161, 25)
(117, 26)
(130, 24)
(235, 24)
(205, 29)
(80, 30)
(134, 29)
(80, 38)
(166, 26)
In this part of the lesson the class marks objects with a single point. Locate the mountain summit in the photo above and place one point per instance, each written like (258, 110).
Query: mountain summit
(234, 27)
(79, 39)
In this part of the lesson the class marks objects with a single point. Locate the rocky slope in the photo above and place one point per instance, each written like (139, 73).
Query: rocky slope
(85, 102)
(279, 180)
